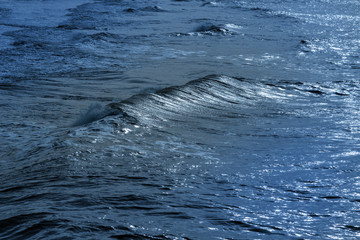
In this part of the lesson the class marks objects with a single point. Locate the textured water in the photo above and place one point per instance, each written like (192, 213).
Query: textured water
(179, 119)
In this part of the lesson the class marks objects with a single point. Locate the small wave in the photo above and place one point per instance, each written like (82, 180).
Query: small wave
(249, 226)
(145, 9)
(233, 26)
(212, 30)
(212, 4)
(100, 36)
(153, 9)
(353, 228)
(259, 9)
(30, 44)
(80, 22)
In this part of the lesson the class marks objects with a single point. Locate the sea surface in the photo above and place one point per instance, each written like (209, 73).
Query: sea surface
(179, 119)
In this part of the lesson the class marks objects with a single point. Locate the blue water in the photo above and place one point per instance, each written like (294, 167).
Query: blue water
(179, 119)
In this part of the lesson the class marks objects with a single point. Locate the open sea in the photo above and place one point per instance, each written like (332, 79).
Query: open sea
(179, 119)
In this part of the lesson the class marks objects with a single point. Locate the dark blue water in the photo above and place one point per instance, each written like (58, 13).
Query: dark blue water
(179, 119)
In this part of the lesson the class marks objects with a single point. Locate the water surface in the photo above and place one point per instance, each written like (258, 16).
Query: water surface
(179, 119)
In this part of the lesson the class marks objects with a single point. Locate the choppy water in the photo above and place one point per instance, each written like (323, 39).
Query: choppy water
(179, 119)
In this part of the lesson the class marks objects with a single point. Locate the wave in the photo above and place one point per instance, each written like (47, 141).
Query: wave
(210, 97)
(209, 94)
